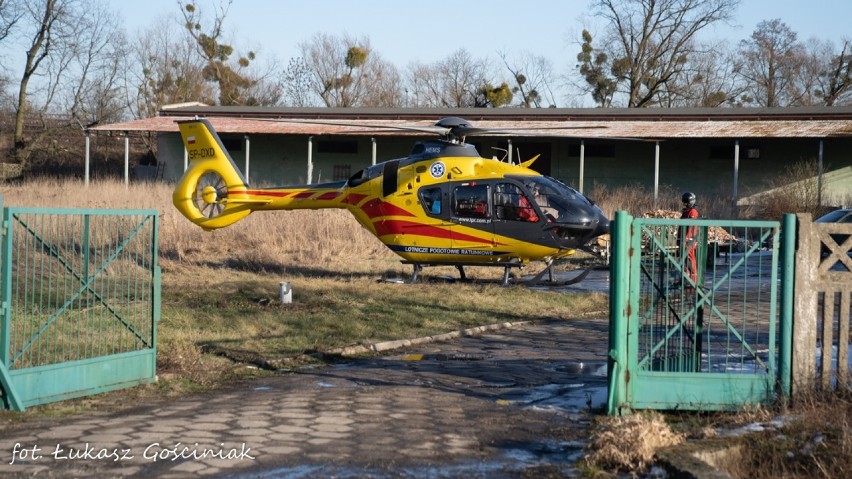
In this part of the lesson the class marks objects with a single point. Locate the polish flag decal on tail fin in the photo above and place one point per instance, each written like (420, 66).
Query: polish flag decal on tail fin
(190, 140)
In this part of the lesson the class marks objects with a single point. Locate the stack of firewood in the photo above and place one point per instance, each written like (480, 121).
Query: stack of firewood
(716, 233)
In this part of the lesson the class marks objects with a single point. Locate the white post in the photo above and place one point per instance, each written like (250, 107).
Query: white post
(656, 172)
(248, 153)
(285, 292)
(374, 149)
(582, 163)
(126, 159)
(819, 176)
(310, 159)
(736, 174)
(86, 171)
(509, 143)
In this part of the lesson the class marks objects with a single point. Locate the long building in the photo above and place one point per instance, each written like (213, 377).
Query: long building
(719, 151)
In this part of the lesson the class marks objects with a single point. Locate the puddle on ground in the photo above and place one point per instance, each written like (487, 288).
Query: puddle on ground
(515, 458)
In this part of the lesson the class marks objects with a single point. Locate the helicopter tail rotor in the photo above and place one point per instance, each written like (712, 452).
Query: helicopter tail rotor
(212, 192)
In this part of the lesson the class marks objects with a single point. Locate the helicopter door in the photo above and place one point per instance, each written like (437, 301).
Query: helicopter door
(516, 220)
(471, 210)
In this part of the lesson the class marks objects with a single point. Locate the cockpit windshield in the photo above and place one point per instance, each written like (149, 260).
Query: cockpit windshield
(556, 199)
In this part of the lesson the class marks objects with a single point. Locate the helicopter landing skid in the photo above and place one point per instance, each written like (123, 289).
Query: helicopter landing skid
(580, 277)
(418, 267)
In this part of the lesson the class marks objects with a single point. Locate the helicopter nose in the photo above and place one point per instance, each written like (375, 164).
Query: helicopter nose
(603, 224)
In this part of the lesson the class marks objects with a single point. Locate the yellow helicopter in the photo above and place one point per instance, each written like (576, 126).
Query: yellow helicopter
(443, 204)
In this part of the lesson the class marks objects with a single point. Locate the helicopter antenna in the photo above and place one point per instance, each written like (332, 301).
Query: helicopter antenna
(504, 151)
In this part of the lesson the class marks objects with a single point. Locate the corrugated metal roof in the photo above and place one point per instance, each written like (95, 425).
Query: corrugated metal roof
(615, 123)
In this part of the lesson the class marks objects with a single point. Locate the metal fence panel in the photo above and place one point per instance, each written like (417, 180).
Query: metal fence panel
(80, 301)
(702, 340)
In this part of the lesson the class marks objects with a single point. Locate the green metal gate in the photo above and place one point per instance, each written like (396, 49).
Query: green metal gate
(707, 341)
(80, 302)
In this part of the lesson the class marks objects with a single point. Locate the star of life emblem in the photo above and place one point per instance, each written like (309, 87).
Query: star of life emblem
(437, 169)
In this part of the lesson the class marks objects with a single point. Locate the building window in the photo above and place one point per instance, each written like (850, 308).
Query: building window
(595, 151)
(726, 152)
(232, 144)
(341, 172)
(338, 147)
(722, 152)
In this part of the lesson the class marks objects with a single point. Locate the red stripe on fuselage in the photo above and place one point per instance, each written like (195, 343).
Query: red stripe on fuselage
(277, 194)
(376, 208)
(329, 196)
(353, 199)
(390, 227)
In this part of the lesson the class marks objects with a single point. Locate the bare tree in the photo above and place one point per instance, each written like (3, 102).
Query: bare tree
(647, 43)
(594, 67)
(11, 12)
(230, 76)
(533, 76)
(455, 82)
(47, 18)
(298, 83)
(769, 62)
(706, 80)
(344, 71)
(834, 80)
(88, 79)
(74, 53)
(163, 70)
(385, 89)
(815, 57)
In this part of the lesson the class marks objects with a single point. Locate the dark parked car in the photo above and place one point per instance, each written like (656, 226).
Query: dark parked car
(843, 215)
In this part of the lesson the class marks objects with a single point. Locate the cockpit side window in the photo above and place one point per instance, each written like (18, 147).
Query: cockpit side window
(512, 204)
(430, 198)
(471, 201)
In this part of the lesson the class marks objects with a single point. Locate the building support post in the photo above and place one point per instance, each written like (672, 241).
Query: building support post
(88, 158)
(735, 195)
(373, 140)
(310, 158)
(248, 154)
(819, 175)
(656, 172)
(582, 163)
(126, 159)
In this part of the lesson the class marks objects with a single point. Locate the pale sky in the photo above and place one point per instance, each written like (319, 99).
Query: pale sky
(405, 31)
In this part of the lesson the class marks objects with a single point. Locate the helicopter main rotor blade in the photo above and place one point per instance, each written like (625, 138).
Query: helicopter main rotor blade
(424, 129)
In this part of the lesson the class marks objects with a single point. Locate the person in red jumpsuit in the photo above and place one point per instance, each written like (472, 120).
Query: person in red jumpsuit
(525, 210)
(690, 236)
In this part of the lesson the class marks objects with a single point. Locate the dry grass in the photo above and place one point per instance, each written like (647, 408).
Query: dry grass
(638, 200)
(629, 443)
(815, 441)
